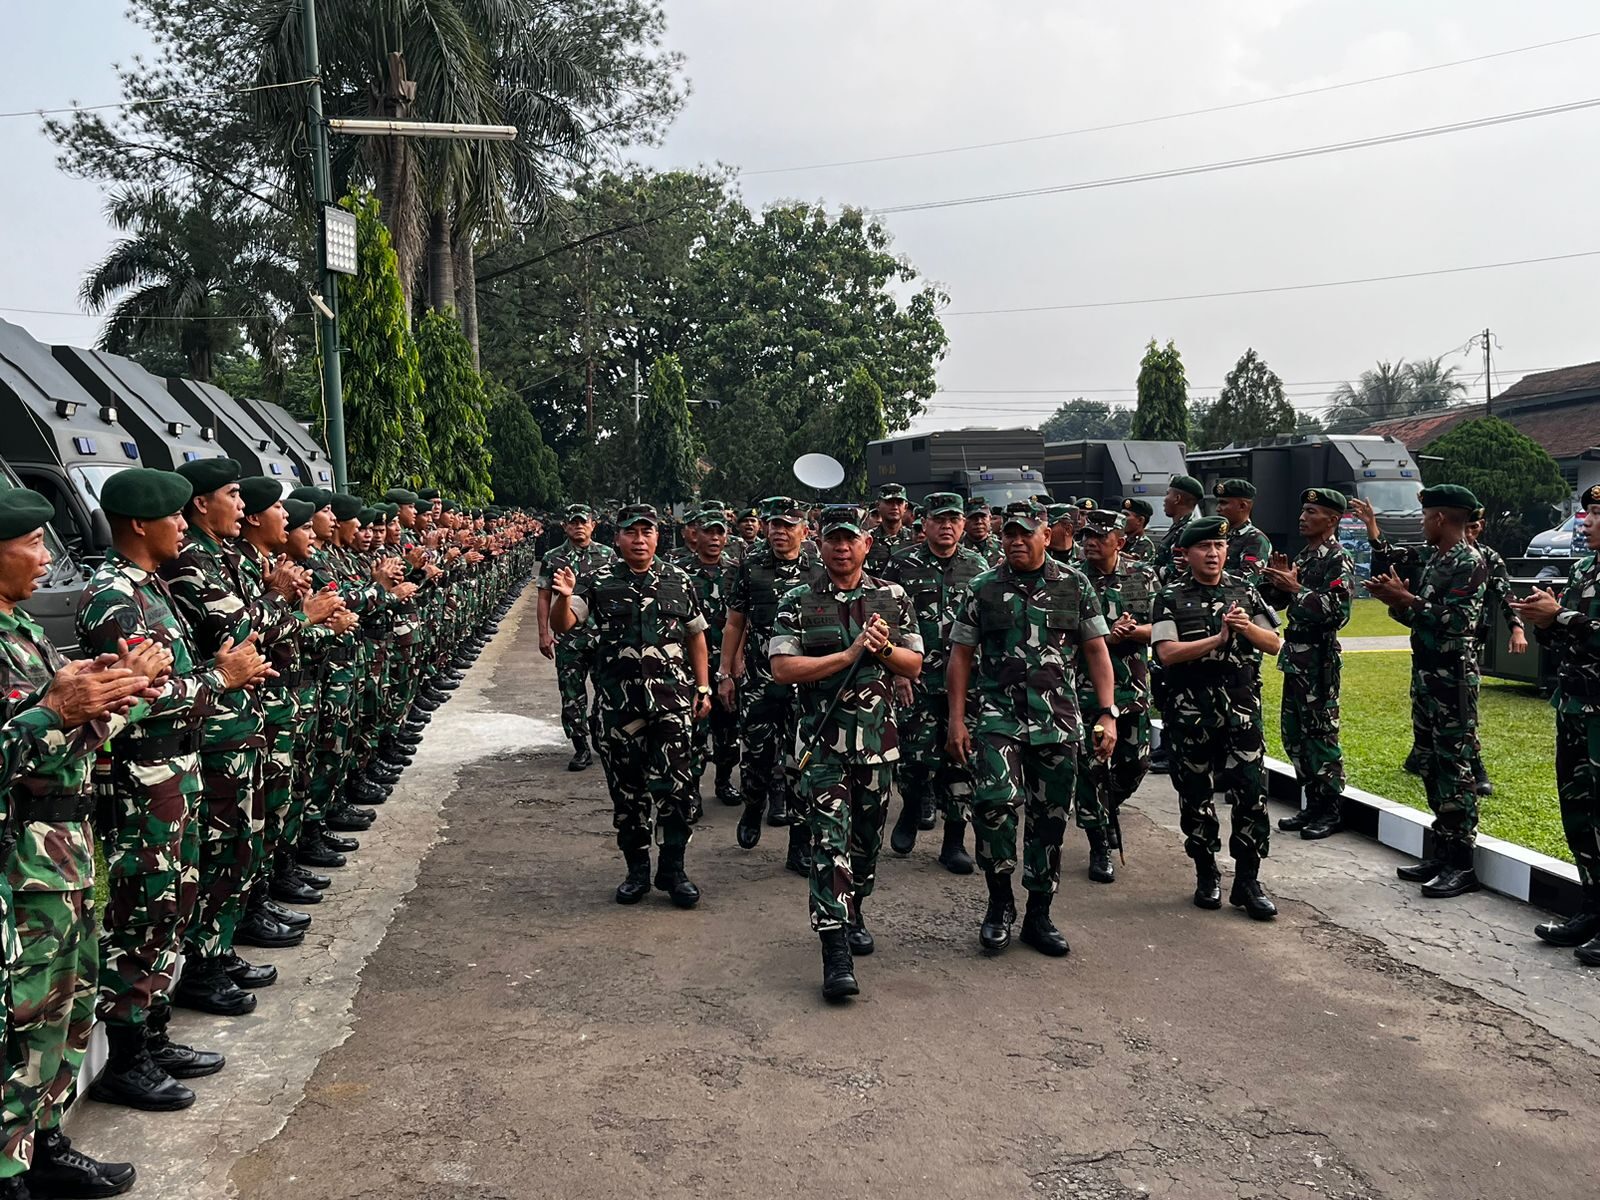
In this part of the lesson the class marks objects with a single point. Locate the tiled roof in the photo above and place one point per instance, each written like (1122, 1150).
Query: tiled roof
(1418, 430)
(1584, 377)
(1565, 431)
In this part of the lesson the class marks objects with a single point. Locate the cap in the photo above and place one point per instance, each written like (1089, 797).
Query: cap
(577, 512)
(637, 514)
(846, 517)
(1187, 484)
(209, 474)
(346, 507)
(1203, 529)
(1448, 495)
(783, 508)
(891, 491)
(1239, 489)
(145, 494)
(1103, 521)
(1059, 512)
(719, 505)
(23, 510)
(712, 518)
(1325, 498)
(1030, 514)
(299, 512)
(936, 503)
(396, 495)
(314, 496)
(1141, 507)
(977, 508)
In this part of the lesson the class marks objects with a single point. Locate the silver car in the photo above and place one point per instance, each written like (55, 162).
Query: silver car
(1566, 540)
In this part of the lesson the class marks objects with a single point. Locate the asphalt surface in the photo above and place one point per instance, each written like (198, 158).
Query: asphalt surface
(518, 1034)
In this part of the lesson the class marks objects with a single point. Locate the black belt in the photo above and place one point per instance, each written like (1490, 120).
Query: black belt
(57, 808)
(1209, 674)
(288, 679)
(160, 749)
(339, 655)
(1578, 688)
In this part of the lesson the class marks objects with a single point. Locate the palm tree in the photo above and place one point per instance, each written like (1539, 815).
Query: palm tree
(1433, 385)
(1393, 390)
(196, 273)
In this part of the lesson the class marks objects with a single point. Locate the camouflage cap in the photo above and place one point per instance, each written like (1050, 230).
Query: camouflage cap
(1059, 512)
(145, 494)
(978, 508)
(23, 510)
(577, 512)
(637, 514)
(1325, 498)
(1448, 495)
(209, 474)
(314, 496)
(1187, 484)
(937, 503)
(708, 505)
(712, 518)
(891, 491)
(1203, 529)
(1237, 489)
(845, 518)
(1139, 507)
(783, 508)
(300, 512)
(259, 493)
(1104, 521)
(346, 507)
(1030, 514)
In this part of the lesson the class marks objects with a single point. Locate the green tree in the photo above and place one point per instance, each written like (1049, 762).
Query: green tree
(1307, 424)
(1163, 409)
(748, 452)
(1087, 419)
(523, 470)
(386, 443)
(1251, 405)
(1392, 390)
(856, 420)
(666, 436)
(1514, 478)
(454, 409)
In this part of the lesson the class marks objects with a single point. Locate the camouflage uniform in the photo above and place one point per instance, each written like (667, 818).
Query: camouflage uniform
(843, 786)
(1213, 715)
(1497, 597)
(574, 649)
(1575, 639)
(1248, 552)
(987, 548)
(1026, 629)
(639, 623)
(1141, 547)
(886, 545)
(717, 738)
(1166, 557)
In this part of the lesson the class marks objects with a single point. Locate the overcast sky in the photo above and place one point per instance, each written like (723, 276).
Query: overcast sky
(787, 85)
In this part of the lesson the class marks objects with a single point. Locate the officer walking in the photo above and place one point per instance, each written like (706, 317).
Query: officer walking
(572, 654)
(978, 538)
(718, 737)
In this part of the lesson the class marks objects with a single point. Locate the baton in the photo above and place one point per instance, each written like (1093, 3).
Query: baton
(805, 759)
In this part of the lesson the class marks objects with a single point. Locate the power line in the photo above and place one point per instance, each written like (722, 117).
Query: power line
(1386, 139)
(1083, 391)
(154, 101)
(61, 312)
(1193, 112)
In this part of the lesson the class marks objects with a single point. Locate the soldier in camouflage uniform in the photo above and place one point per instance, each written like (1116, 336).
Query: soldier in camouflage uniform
(1569, 627)
(1497, 599)
(1136, 542)
(717, 738)
(1127, 589)
(935, 575)
(574, 653)
(1248, 548)
(893, 532)
(1064, 546)
(746, 524)
(1443, 614)
(838, 639)
(152, 836)
(651, 684)
(977, 538)
(1021, 633)
(1316, 592)
(1209, 630)
(1181, 505)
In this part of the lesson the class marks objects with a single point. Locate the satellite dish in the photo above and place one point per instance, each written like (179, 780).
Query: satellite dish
(818, 471)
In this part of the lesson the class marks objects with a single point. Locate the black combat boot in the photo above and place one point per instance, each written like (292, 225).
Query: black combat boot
(259, 928)
(798, 859)
(285, 916)
(1577, 929)
(14, 1187)
(1480, 777)
(176, 1059)
(59, 1170)
(838, 969)
(1207, 883)
(316, 882)
(1458, 877)
(1424, 869)
(338, 842)
(1589, 953)
(726, 792)
(1039, 931)
(347, 818)
(1323, 823)
(1417, 761)
(856, 935)
(1297, 821)
(953, 854)
(287, 885)
(903, 837)
(581, 758)
(748, 831)
(778, 806)
(246, 974)
(205, 987)
(994, 935)
(1100, 868)
(313, 851)
(131, 1077)
(358, 789)
(637, 885)
(927, 814)
(1247, 892)
(671, 879)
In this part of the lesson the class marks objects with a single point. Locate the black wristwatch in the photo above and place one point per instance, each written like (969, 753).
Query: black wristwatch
(1111, 710)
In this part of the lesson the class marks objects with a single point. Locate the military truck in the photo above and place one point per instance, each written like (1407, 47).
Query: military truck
(1109, 472)
(166, 434)
(1380, 470)
(296, 439)
(55, 600)
(258, 451)
(996, 466)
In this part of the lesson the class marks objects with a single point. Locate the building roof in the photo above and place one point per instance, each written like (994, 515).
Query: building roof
(1417, 430)
(1582, 378)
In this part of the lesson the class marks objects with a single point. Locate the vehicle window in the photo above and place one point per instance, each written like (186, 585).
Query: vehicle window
(1001, 494)
(1391, 496)
(89, 480)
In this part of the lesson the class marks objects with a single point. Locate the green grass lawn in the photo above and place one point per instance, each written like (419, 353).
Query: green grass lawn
(1516, 726)
(1369, 618)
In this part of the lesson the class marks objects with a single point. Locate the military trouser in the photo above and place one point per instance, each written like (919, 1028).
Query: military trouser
(1444, 724)
(845, 807)
(1012, 777)
(1578, 785)
(924, 767)
(647, 756)
(332, 760)
(1309, 729)
(153, 865)
(230, 786)
(766, 732)
(1101, 787)
(716, 739)
(574, 661)
(52, 1000)
(276, 795)
(1217, 746)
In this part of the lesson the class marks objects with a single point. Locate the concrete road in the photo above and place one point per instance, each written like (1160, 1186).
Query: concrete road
(517, 1034)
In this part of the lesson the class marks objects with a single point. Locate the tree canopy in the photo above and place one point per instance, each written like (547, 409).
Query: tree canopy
(666, 438)
(1514, 478)
(1087, 419)
(1251, 405)
(1391, 390)
(1163, 409)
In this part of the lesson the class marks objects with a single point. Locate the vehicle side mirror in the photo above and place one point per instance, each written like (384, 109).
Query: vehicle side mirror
(99, 532)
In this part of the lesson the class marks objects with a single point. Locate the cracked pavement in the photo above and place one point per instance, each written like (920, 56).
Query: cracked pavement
(518, 1034)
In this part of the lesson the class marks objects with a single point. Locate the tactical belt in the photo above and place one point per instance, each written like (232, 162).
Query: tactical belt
(56, 808)
(339, 655)
(1579, 688)
(288, 679)
(160, 749)
(1210, 675)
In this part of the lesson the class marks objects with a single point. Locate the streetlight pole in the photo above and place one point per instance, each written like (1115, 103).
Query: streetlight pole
(322, 195)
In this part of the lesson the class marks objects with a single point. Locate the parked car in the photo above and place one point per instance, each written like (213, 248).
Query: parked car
(1564, 541)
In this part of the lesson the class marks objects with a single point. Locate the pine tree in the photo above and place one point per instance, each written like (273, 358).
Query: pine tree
(667, 453)
(1163, 409)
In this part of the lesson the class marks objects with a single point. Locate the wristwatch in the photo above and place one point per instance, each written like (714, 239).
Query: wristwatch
(885, 650)
(1111, 710)
(702, 689)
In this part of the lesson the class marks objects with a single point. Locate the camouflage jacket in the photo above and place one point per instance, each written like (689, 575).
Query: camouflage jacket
(886, 545)
(710, 582)
(738, 549)
(754, 589)
(937, 588)
(1575, 640)
(123, 600)
(583, 562)
(1450, 594)
(1129, 588)
(1026, 629)
(818, 618)
(641, 621)
(1318, 610)
(1072, 556)
(1140, 546)
(1497, 597)
(1166, 557)
(296, 649)
(1248, 552)
(1188, 611)
(988, 549)
(205, 584)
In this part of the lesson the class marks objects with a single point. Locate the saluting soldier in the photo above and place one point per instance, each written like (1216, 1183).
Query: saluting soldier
(1316, 591)
(1209, 630)
(572, 653)
(838, 639)
(893, 532)
(651, 684)
(1248, 548)
(1136, 543)
(718, 736)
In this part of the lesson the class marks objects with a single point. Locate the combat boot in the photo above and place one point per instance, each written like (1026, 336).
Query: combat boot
(59, 1170)
(856, 935)
(903, 837)
(176, 1059)
(1207, 883)
(345, 816)
(838, 969)
(994, 935)
(927, 813)
(1417, 761)
(131, 1077)
(778, 806)
(285, 916)
(1589, 953)
(1577, 929)
(1039, 931)
(312, 851)
(1480, 777)
(314, 881)
(205, 987)
(258, 928)
(1323, 823)
(637, 885)
(1296, 821)
(337, 841)
(953, 854)
(748, 831)
(1248, 894)
(287, 884)
(726, 792)
(14, 1187)
(358, 789)
(798, 859)
(248, 975)
(581, 758)
(1457, 879)
(671, 879)
(1424, 869)
(1100, 868)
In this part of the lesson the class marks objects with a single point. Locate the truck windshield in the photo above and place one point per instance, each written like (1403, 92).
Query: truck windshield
(89, 480)
(998, 495)
(1391, 495)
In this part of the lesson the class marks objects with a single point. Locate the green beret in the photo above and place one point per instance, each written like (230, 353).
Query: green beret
(428, 494)
(1241, 489)
(259, 492)
(1141, 507)
(1087, 504)
(299, 512)
(1103, 521)
(367, 515)
(747, 512)
(1059, 512)
(22, 511)
(447, 506)
(346, 507)
(1325, 498)
(1448, 495)
(314, 496)
(1592, 496)
(847, 517)
(145, 494)
(209, 474)
(943, 503)
(1187, 484)
(1203, 529)
(398, 495)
